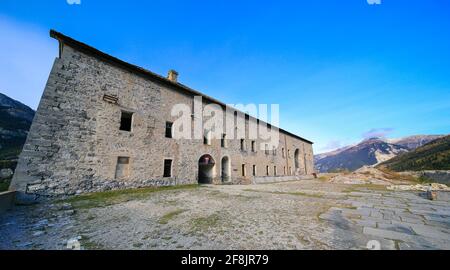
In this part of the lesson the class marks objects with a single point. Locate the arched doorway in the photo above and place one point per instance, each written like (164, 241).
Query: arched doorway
(226, 169)
(206, 169)
(296, 159)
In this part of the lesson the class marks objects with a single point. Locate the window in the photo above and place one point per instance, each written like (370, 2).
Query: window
(267, 149)
(274, 150)
(169, 129)
(284, 170)
(167, 168)
(224, 141)
(267, 170)
(254, 146)
(243, 170)
(254, 170)
(243, 144)
(123, 167)
(126, 120)
(283, 153)
(275, 170)
(207, 138)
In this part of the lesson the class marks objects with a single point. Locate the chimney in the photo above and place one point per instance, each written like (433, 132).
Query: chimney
(173, 76)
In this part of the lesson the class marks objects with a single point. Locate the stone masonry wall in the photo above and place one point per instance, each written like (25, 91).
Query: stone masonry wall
(74, 141)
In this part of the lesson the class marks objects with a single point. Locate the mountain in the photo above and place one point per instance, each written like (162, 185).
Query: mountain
(432, 156)
(414, 142)
(15, 121)
(369, 152)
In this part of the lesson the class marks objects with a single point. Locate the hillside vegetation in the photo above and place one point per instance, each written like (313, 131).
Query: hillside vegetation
(432, 156)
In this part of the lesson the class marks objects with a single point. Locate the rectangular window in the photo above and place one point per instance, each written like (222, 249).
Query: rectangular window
(167, 168)
(169, 129)
(275, 170)
(243, 170)
(126, 120)
(243, 144)
(274, 150)
(283, 153)
(207, 138)
(224, 140)
(284, 170)
(122, 167)
(254, 170)
(267, 171)
(254, 146)
(266, 149)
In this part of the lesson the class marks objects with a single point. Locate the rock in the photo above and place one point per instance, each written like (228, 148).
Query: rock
(6, 173)
(74, 243)
(38, 233)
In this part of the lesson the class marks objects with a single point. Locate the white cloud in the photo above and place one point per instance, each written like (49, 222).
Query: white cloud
(27, 54)
(331, 145)
(374, 2)
(377, 133)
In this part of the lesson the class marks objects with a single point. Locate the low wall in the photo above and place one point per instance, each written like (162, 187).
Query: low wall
(277, 179)
(6, 200)
(442, 177)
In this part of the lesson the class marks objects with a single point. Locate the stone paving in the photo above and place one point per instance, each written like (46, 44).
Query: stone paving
(404, 220)
(308, 214)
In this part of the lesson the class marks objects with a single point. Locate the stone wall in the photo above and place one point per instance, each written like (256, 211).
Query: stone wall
(75, 142)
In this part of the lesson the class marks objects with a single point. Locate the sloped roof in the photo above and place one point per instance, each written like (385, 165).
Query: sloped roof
(66, 40)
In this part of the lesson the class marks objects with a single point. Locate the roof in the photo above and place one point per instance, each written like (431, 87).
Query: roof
(63, 39)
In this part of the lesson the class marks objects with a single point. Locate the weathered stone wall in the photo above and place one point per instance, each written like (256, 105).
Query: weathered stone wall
(74, 141)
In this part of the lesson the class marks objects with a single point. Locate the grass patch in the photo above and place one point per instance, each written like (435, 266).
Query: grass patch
(205, 223)
(4, 184)
(169, 216)
(101, 199)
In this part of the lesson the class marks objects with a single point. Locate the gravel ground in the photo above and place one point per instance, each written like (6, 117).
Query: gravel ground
(309, 214)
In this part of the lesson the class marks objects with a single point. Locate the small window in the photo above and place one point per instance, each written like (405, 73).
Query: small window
(254, 146)
(243, 144)
(169, 130)
(275, 170)
(224, 141)
(207, 138)
(167, 168)
(254, 170)
(126, 121)
(122, 167)
(243, 170)
(283, 153)
(266, 149)
(267, 170)
(284, 170)
(274, 150)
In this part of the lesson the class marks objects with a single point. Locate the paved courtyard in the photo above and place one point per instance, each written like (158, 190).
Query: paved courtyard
(293, 215)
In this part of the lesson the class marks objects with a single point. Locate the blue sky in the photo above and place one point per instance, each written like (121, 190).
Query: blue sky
(340, 70)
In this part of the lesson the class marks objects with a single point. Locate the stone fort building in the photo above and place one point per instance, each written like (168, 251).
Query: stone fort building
(106, 124)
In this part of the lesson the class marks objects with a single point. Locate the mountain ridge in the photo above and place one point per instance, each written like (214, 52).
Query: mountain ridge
(369, 152)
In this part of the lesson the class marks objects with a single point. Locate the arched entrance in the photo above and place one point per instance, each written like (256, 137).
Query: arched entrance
(206, 169)
(226, 169)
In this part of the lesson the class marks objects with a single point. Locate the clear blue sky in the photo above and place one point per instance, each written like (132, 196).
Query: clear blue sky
(340, 70)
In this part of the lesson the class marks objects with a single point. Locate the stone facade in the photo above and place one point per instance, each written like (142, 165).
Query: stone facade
(75, 144)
